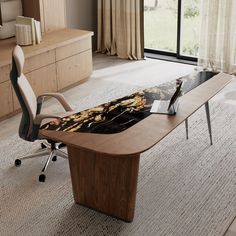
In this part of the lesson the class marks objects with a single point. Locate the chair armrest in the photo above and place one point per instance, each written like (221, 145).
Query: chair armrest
(38, 119)
(60, 97)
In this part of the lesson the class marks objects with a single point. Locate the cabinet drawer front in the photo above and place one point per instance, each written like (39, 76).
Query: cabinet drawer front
(4, 73)
(73, 48)
(38, 61)
(74, 69)
(42, 80)
(6, 104)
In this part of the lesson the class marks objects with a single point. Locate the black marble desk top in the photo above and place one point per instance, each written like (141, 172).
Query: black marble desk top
(119, 115)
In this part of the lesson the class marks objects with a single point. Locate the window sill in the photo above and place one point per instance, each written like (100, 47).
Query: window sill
(169, 58)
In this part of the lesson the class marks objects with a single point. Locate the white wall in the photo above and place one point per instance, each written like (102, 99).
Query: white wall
(82, 14)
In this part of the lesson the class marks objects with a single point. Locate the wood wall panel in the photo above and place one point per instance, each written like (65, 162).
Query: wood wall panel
(53, 16)
(31, 8)
(51, 13)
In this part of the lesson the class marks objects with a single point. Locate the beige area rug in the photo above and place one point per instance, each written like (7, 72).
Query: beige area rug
(185, 188)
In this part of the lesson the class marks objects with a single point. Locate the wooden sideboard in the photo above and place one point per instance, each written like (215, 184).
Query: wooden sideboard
(64, 58)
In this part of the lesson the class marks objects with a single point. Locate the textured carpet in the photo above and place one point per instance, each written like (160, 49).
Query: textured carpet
(186, 187)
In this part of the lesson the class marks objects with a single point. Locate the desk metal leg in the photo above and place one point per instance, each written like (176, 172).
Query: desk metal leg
(186, 127)
(208, 121)
(104, 182)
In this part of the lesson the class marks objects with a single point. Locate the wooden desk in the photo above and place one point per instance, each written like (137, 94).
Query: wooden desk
(104, 167)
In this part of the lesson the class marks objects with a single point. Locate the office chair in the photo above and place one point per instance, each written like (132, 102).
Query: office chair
(31, 117)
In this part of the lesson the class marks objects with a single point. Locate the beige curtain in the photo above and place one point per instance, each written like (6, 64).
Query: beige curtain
(217, 46)
(120, 28)
(0, 16)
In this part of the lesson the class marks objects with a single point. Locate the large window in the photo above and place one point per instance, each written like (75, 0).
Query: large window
(172, 27)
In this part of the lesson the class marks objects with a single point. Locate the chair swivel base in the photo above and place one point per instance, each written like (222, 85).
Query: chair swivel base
(50, 149)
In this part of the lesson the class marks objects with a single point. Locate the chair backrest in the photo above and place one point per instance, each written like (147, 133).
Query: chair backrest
(24, 93)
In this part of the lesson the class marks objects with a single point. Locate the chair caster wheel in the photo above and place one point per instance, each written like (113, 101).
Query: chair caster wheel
(43, 146)
(42, 178)
(17, 162)
(54, 158)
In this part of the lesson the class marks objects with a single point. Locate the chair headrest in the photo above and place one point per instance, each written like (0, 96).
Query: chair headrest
(19, 58)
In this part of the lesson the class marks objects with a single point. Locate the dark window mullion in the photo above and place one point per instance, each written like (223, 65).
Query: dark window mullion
(176, 54)
(179, 27)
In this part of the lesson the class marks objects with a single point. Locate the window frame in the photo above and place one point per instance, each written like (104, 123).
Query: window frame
(177, 53)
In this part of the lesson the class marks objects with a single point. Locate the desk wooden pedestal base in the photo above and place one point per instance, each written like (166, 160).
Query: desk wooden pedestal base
(103, 182)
